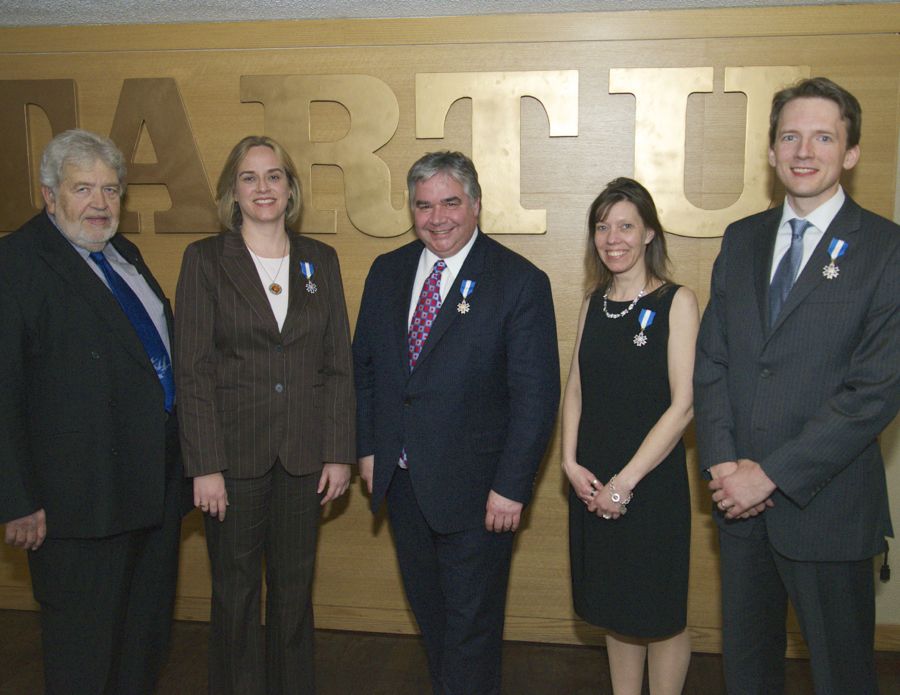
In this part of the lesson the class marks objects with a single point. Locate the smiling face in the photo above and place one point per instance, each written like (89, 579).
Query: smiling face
(261, 187)
(621, 239)
(810, 152)
(86, 205)
(445, 218)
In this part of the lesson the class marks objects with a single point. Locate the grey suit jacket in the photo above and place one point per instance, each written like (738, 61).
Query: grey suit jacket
(808, 398)
(249, 394)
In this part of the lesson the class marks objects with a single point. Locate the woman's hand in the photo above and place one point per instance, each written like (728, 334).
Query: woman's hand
(210, 496)
(334, 481)
(583, 482)
(602, 504)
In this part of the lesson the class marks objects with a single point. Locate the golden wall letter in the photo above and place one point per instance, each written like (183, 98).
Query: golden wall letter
(659, 138)
(496, 131)
(155, 104)
(57, 99)
(374, 116)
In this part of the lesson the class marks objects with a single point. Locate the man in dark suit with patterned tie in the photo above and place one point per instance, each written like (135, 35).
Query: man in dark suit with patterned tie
(457, 378)
(796, 376)
(90, 475)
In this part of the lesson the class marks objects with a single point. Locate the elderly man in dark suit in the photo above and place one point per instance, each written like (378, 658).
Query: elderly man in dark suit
(457, 378)
(90, 477)
(796, 376)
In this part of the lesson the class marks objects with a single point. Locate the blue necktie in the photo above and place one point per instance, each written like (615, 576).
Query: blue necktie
(143, 326)
(787, 271)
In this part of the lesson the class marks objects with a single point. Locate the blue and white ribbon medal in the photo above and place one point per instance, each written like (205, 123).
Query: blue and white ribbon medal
(645, 318)
(308, 269)
(836, 249)
(466, 288)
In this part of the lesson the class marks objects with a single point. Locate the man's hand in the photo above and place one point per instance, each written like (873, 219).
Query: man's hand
(367, 470)
(744, 492)
(336, 479)
(503, 514)
(210, 496)
(27, 532)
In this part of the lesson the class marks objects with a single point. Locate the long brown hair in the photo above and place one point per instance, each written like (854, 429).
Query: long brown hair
(656, 258)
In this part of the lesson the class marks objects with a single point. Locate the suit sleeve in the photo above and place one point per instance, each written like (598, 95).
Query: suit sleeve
(364, 371)
(16, 498)
(338, 418)
(533, 382)
(712, 405)
(853, 417)
(195, 367)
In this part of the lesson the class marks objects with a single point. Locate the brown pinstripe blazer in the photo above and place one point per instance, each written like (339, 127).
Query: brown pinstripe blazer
(247, 393)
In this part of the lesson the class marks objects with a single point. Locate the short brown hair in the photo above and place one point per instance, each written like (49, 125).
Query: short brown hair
(822, 88)
(230, 216)
(656, 258)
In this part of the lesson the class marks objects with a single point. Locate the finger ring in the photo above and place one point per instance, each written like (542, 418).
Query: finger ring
(607, 516)
(595, 482)
(592, 493)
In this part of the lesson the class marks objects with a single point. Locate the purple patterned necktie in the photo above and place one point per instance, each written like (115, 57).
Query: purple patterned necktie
(426, 310)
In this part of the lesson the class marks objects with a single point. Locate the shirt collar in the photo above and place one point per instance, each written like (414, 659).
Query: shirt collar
(822, 216)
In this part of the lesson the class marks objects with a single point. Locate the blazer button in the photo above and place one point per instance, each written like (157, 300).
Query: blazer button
(407, 401)
(765, 373)
(279, 348)
(279, 388)
(95, 355)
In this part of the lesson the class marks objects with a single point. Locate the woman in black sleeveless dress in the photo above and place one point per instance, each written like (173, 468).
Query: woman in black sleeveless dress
(627, 402)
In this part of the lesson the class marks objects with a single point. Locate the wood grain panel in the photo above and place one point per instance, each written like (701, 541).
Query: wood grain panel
(357, 583)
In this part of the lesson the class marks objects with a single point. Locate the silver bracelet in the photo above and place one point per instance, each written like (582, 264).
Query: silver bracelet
(616, 496)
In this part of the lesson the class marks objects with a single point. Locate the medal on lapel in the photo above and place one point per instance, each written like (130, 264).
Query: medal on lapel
(645, 318)
(836, 249)
(466, 288)
(308, 269)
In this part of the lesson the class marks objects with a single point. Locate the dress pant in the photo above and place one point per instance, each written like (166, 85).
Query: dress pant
(456, 585)
(106, 606)
(276, 517)
(834, 603)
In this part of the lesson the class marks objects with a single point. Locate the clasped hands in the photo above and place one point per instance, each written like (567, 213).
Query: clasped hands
(741, 489)
(596, 497)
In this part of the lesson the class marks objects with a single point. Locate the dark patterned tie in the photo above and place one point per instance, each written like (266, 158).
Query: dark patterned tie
(143, 325)
(426, 310)
(787, 271)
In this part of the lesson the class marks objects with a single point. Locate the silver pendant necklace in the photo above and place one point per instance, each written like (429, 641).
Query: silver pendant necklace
(626, 310)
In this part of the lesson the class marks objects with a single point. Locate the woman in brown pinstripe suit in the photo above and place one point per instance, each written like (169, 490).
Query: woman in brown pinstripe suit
(266, 407)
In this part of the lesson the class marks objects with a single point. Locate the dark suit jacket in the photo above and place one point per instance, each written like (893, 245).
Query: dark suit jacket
(249, 394)
(807, 399)
(82, 418)
(477, 411)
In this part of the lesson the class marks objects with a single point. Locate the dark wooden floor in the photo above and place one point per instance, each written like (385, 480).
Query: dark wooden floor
(358, 663)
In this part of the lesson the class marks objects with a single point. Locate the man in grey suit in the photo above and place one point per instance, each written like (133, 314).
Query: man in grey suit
(796, 376)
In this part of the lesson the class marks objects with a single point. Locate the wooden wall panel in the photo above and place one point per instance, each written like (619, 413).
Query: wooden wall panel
(357, 579)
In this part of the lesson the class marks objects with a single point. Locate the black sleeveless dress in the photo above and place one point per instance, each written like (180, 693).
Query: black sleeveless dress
(629, 575)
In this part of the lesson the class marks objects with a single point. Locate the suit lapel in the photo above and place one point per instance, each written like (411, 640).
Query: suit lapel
(241, 271)
(471, 270)
(763, 248)
(59, 255)
(298, 295)
(844, 226)
(406, 276)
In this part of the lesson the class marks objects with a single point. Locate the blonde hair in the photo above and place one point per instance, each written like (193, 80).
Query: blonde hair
(230, 216)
